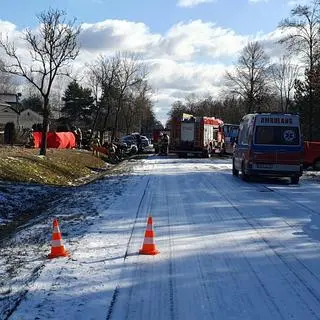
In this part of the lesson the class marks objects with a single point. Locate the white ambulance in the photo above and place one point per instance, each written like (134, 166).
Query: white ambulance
(269, 144)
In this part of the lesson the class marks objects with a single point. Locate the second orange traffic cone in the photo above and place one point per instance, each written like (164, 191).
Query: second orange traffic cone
(57, 247)
(149, 247)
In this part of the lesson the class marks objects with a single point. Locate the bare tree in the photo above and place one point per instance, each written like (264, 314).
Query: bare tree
(104, 73)
(177, 109)
(303, 38)
(302, 32)
(57, 92)
(7, 81)
(94, 81)
(52, 48)
(284, 75)
(130, 73)
(250, 77)
(137, 106)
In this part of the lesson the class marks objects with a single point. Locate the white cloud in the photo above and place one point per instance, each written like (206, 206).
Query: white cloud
(8, 31)
(191, 57)
(183, 41)
(170, 75)
(192, 3)
(297, 2)
(117, 34)
(7, 27)
(176, 80)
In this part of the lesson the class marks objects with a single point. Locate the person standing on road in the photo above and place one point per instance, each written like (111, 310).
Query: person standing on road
(139, 143)
(165, 144)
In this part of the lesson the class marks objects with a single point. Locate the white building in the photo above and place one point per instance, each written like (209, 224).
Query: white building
(28, 118)
(24, 120)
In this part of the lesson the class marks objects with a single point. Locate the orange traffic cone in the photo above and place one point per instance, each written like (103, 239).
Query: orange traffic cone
(57, 248)
(148, 244)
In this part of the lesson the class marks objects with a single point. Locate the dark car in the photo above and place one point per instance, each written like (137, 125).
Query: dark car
(145, 141)
(129, 140)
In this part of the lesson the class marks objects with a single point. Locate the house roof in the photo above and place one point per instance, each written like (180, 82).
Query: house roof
(30, 111)
(4, 104)
(11, 98)
(8, 106)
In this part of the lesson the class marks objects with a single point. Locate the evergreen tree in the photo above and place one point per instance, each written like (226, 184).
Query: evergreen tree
(78, 105)
(34, 103)
(308, 90)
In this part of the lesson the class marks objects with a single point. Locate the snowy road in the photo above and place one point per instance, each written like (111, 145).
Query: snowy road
(228, 250)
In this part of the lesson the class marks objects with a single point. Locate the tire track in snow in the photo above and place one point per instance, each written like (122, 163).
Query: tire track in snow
(282, 259)
(201, 289)
(241, 301)
(130, 302)
(248, 263)
(308, 210)
(118, 288)
(296, 203)
(171, 266)
(267, 188)
(201, 272)
(136, 217)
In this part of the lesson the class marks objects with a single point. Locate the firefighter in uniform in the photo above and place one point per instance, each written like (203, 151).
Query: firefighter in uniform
(164, 144)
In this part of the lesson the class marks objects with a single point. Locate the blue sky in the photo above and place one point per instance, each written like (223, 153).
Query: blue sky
(187, 48)
(240, 15)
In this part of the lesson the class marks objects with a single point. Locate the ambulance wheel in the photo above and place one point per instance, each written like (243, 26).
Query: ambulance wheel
(244, 175)
(235, 172)
(295, 180)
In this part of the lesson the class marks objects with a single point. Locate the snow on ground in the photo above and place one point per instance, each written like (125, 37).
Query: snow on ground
(228, 249)
(17, 198)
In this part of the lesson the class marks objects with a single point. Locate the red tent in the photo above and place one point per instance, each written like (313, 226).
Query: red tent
(60, 140)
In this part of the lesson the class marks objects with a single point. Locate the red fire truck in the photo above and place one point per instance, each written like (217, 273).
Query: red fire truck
(200, 136)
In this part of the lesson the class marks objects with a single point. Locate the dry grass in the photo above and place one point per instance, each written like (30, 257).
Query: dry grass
(63, 167)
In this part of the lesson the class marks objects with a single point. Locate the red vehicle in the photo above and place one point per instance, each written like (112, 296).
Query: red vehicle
(196, 136)
(312, 154)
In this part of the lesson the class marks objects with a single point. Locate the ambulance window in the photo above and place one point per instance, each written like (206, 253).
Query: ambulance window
(264, 135)
(244, 133)
(277, 135)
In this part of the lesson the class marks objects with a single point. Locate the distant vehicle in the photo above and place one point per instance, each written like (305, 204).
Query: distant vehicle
(269, 144)
(312, 154)
(230, 134)
(145, 141)
(200, 136)
(129, 140)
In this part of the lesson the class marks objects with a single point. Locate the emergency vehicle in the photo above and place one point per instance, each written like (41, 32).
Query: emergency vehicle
(200, 136)
(230, 134)
(269, 144)
(312, 154)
